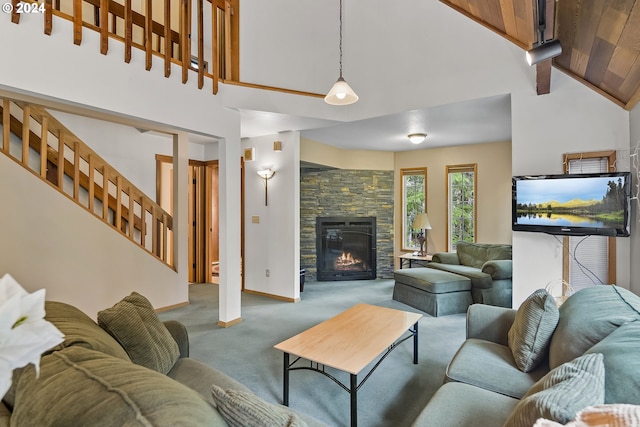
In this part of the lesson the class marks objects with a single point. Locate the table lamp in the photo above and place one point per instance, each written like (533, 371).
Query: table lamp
(422, 222)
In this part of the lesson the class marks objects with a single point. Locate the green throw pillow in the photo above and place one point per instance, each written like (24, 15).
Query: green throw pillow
(135, 325)
(532, 329)
(560, 394)
(242, 409)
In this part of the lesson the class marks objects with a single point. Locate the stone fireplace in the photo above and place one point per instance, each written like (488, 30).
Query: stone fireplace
(345, 248)
(342, 193)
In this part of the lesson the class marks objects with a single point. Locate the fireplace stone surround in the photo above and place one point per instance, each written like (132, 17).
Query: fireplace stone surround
(326, 192)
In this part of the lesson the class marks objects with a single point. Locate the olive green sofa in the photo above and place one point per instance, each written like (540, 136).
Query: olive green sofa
(487, 265)
(137, 374)
(586, 354)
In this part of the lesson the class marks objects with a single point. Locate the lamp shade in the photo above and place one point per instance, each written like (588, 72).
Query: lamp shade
(341, 94)
(422, 222)
(266, 173)
(542, 52)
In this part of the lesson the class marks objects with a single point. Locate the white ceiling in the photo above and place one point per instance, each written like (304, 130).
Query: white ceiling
(470, 122)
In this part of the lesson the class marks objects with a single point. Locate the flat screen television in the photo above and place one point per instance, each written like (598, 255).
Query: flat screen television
(574, 204)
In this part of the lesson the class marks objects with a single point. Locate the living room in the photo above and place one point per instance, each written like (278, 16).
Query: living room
(576, 119)
(432, 56)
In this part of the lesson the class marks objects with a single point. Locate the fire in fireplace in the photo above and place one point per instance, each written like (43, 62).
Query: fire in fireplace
(346, 248)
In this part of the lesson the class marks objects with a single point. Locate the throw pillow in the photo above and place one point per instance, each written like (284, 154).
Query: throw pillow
(136, 326)
(242, 409)
(532, 329)
(560, 394)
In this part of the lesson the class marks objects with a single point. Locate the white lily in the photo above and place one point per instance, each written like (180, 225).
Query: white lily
(24, 333)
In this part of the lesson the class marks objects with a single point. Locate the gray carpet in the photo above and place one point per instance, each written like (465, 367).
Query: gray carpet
(393, 395)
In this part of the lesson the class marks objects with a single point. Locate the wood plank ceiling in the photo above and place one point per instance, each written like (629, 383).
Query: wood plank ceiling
(600, 39)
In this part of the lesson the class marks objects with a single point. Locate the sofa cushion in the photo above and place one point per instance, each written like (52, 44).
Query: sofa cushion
(457, 404)
(199, 377)
(491, 366)
(476, 254)
(478, 278)
(564, 391)
(136, 326)
(82, 387)
(242, 409)
(587, 317)
(531, 332)
(621, 364)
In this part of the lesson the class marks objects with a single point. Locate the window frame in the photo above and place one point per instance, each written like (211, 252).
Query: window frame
(469, 167)
(610, 155)
(405, 173)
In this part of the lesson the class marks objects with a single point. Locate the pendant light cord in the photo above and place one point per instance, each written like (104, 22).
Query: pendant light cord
(340, 38)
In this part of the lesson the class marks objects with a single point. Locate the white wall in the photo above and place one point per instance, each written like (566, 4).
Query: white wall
(274, 243)
(571, 119)
(55, 249)
(634, 119)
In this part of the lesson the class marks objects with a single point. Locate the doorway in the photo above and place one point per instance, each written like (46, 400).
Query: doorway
(204, 234)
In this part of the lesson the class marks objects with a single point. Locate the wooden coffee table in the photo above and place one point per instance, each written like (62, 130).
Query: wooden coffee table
(349, 342)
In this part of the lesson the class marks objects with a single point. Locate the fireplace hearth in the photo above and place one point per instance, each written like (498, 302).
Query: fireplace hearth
(346, 248)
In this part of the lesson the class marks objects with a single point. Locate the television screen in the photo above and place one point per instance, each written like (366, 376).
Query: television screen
(575, 204)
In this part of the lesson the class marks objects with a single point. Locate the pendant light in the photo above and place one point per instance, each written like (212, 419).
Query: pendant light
(341, 93)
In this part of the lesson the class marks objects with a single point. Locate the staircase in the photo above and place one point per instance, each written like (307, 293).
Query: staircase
(36, 140)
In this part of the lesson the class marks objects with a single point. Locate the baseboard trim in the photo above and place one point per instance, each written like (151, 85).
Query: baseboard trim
(229, 324)
(171, 307)
(278, 297)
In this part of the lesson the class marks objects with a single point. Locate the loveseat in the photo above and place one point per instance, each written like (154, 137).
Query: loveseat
(487, 265)
(541, 361)
(129, 369)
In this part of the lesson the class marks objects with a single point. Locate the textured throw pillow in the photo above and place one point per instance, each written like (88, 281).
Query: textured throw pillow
(532, 329)
(560, 394)
(242, 409)
(136, 326)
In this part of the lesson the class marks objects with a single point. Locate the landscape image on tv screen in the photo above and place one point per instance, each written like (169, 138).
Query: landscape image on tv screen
(596, 202)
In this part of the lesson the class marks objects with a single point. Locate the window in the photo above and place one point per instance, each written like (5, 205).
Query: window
(461, 203)
(414, 201)
(590, 260)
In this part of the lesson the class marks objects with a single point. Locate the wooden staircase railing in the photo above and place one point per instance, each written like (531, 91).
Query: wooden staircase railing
(119, 21)
(45, 147)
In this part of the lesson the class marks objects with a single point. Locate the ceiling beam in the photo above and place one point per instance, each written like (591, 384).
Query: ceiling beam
(543, 69)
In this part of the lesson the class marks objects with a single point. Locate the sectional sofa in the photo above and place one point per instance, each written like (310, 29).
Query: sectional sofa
(541, 361)
(130, 369)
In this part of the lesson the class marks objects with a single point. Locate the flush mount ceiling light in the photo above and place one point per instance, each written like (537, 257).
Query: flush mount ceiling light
(417, 138)
(341, 93)
(544, 49)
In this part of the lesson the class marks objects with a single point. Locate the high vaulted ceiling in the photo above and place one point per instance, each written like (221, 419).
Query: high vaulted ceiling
(600, 38)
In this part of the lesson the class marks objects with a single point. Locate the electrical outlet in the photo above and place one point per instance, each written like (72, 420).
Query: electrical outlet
(268, 273)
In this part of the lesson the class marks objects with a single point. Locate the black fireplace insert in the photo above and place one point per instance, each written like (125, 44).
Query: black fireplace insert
(345, 248)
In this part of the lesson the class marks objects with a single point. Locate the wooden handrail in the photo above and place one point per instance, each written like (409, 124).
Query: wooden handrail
(129, 216)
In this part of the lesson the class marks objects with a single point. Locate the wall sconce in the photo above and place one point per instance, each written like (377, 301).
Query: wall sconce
(249, 154)
(277, 145)
(266, 174)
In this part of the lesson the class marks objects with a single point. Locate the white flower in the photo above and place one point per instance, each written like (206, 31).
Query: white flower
(24, 333)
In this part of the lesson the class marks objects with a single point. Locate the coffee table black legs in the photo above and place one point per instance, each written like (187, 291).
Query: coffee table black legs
(285, 382)
(354, 400)
(414, 331)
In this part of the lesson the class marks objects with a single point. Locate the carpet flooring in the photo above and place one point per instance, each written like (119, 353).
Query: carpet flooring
(394, 394)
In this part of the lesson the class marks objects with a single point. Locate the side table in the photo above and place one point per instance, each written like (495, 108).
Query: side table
(410, 258)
